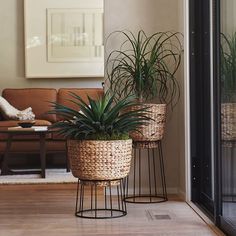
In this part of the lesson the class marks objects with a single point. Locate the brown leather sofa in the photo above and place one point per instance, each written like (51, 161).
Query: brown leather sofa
(39, 99)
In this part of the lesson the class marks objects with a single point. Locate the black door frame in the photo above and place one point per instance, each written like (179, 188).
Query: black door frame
(217, 111)
(200, 100)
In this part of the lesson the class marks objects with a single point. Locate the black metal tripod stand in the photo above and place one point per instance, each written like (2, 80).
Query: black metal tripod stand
(108, 205)
(137, 192)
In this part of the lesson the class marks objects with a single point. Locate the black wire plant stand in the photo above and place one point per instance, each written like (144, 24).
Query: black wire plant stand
(134, 191)
(109, 205)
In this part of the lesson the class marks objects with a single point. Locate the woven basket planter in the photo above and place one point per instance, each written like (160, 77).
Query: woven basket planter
(100, 160)
(154, 131)
(228, 121)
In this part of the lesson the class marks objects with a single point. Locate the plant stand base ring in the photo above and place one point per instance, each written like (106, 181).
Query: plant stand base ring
(144, 199)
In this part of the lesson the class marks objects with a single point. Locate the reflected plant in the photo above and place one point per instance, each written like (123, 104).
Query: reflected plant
(228, 67)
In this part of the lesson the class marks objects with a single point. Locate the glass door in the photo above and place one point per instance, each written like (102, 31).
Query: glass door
(227, 157)
(213, 109)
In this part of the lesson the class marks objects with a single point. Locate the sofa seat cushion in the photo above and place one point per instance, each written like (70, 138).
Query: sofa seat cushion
(33, 146)
(13, 123)
(37, 98)
(57, 136)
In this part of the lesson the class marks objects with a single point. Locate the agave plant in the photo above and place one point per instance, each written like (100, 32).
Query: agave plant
(99, 119)
(145, 66)
(228, 67)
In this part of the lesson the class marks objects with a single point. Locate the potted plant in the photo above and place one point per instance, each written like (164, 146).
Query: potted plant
(145, 66)
(228, 85)
(99, 146)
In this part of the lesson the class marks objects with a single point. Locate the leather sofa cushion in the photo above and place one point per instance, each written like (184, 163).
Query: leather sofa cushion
(56, 136)
(33, 146)
(37, 98)
(64, 95)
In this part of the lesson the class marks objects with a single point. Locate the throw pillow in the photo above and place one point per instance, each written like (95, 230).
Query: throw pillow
(11, 113)
(26, 114)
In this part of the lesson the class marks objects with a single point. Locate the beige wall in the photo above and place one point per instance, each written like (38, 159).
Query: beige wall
(181, 110)
(149, 15)
(12, 53)
(228, 22)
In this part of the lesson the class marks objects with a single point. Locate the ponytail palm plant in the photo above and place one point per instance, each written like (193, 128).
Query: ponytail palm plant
(100, 119)
(145, 66)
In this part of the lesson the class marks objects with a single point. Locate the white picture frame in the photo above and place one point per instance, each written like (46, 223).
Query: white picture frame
(64, 38)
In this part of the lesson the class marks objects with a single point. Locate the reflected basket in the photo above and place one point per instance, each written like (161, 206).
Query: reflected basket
(228, 121)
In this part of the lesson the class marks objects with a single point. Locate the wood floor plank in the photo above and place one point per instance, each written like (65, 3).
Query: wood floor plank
(49, 210)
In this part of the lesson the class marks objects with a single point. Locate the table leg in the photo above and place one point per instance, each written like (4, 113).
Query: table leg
(43, 154)
(1, 160)
(5, 169)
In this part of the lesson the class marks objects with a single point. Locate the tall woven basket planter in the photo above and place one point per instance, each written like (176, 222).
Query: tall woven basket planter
(154, 131)
(100, 160)
(228, 121)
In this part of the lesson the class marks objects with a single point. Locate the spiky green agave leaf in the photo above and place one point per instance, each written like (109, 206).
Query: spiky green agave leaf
(102, 118)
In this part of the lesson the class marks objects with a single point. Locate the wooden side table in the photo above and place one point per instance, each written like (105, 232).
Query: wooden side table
(12, 136)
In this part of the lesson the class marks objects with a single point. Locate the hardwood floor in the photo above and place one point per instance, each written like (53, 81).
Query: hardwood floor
(49, 210)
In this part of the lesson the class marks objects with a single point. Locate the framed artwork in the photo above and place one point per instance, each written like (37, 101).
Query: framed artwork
(64, 38)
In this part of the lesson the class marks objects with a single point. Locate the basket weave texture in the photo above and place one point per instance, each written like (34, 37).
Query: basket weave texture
(228, 121)
(100, 160)
(154, 131)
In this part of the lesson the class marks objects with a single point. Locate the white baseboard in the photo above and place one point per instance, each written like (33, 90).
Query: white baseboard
(159, 190)
(176, 191)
